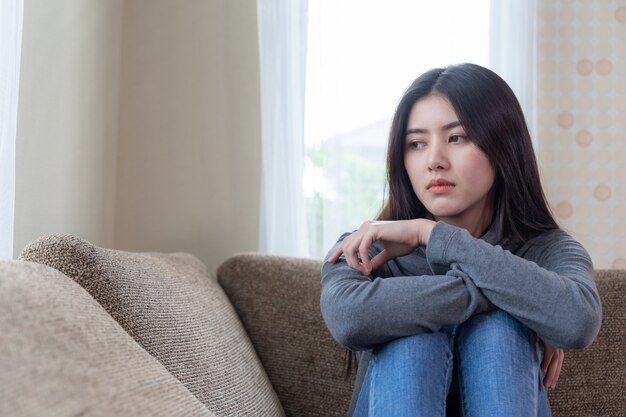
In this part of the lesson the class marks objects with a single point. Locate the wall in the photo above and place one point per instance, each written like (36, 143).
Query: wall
(67, 120)
(139, 125)
(581, 108)
(189, 140)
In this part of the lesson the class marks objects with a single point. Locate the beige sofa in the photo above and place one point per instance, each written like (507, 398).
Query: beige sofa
(88, 331)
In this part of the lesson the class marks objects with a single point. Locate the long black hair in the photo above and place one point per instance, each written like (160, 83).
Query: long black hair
(493, 119)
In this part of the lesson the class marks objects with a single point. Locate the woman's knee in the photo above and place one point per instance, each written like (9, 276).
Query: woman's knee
(494, 326)
(496, 341)
(417, 349)
(412, 344)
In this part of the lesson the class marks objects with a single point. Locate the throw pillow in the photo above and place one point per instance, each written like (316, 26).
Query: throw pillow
(62, 355)
(177, 312)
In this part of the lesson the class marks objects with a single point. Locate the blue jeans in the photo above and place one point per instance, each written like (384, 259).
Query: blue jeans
(497, 362)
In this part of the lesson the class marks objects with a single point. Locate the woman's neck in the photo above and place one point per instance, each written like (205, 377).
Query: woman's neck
(475, 223)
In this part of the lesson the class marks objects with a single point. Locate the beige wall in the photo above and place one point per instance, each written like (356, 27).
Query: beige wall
(581, 115)
(139, 125)
(189, 149)
(67, 120)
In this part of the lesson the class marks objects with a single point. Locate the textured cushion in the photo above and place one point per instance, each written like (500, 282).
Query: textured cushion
(61, 354)
(593, 380)
(277, 299)
(178, 313)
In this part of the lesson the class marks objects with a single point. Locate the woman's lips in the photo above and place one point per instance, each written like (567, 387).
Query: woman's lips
(439, 186)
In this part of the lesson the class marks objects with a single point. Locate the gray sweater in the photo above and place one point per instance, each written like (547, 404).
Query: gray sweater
(547, 284)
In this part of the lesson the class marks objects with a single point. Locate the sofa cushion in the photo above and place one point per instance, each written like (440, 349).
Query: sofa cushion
(62, 355)
(277, 299)
(593, 380)
(177, 312)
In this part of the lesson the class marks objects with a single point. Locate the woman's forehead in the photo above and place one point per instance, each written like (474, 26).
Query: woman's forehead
(432, 110)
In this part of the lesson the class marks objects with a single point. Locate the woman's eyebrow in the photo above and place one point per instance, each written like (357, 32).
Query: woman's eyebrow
(447, 126)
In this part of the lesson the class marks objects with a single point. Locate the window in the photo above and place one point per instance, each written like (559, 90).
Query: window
(361, 57)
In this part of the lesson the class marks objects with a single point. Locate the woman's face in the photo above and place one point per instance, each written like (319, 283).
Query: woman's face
(450, 175)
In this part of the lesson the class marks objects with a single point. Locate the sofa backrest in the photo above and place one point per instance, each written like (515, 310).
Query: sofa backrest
(593, 380)
(277, 299)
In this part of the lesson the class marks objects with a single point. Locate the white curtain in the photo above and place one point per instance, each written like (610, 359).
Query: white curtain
(283, 47)
(513, 48)
(11, 15)
(355, 77)
(282, 27)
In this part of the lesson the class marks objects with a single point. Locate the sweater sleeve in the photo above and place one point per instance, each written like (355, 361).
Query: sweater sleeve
(361, 312)
(551, 290)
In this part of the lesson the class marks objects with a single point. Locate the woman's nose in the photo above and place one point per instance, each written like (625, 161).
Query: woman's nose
(437, 157)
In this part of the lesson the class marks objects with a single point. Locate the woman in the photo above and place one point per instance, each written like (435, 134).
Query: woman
(465, 278)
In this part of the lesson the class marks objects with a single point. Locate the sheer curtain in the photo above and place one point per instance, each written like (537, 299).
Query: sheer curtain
(362, 56)
(513, 49)
(11, 15)
(282, 27)
(354, 77)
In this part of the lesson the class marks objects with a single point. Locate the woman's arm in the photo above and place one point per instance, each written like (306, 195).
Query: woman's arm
(361, 312)
(551, 291)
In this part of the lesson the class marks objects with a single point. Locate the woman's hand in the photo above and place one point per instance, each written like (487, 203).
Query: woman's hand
(399, 238)
(551, 365)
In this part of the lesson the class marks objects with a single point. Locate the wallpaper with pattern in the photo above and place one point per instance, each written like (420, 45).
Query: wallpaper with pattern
(581, 121)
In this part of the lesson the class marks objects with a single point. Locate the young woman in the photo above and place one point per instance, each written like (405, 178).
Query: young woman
(465, 278)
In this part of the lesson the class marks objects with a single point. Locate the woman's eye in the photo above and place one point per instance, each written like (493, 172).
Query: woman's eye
(416, 144)
(457, 138)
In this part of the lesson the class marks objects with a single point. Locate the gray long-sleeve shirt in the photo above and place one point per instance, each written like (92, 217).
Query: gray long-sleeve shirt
(547, 285)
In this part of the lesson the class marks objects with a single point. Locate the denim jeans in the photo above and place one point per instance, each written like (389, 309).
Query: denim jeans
(497, 362)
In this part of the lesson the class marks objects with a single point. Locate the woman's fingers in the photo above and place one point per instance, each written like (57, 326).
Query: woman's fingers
(334, 257)
(350, 252)
(554, 369)
(368, 239)
(551, 365)
(380, 259)
(366, 264)
(355, 249)
(399, 238)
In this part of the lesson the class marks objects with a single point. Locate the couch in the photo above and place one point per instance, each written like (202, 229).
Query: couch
(90, 331)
